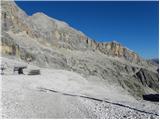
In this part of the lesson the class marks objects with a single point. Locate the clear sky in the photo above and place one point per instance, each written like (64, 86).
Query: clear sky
(133, 24)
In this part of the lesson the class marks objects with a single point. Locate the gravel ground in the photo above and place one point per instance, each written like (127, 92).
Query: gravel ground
(20, 100)
(64, 94)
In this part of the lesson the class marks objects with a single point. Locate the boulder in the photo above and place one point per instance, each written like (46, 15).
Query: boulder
(34, 72)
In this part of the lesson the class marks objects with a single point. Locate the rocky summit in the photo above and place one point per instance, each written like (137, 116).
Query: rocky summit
(45, 42)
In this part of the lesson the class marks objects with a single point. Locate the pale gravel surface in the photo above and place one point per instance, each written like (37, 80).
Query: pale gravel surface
(23, 98)
(22, 102)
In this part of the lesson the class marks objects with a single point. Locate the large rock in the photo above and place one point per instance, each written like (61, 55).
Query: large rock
(151, 97)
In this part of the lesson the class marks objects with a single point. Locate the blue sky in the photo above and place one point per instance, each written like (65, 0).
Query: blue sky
(133, 24)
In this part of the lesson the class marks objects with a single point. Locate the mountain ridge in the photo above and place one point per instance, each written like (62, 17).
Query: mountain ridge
(62, 34)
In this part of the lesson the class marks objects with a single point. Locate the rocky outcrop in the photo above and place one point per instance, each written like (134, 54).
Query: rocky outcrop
(116, 49)
(11, 48)
(148, 78)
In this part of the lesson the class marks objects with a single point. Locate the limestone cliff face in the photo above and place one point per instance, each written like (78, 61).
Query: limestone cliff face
(116, 49)
(54, 33)
(10, 47)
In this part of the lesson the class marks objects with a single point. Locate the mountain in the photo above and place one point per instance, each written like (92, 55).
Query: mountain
(49, 43)
(154, 61)
(52, 32)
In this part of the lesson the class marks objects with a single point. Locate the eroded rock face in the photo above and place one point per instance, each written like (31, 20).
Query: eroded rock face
(10, 47)
(148, 78)
(116, 49)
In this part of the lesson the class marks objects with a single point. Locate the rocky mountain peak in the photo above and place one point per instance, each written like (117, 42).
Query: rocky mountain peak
(39, 14)
(115, 42)
(44, 19)
(10, 8)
